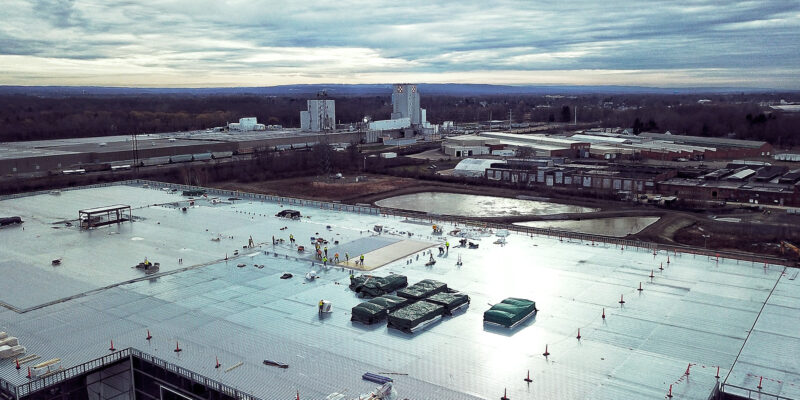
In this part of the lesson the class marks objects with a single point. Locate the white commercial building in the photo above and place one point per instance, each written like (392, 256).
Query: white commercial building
(468, 145)
(390, 124)
(246, 124)
(473, 167)
(321, 116)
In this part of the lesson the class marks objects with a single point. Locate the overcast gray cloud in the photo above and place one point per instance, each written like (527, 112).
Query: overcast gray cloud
(250, 43)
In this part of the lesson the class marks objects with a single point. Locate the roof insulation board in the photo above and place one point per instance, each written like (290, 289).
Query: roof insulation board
(696, 311)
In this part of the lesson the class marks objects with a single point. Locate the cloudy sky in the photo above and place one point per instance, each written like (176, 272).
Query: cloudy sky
(209, 43)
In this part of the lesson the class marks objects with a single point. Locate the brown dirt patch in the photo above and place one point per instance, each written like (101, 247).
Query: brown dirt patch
(321, 187)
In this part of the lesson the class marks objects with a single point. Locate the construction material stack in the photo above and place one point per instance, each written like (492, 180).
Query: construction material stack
(374, 286)
(422, 289)
(510, 312)
(377, 309)
(415, 316)
(450, 300)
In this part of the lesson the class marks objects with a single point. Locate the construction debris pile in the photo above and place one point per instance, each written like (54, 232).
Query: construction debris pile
(9, 346)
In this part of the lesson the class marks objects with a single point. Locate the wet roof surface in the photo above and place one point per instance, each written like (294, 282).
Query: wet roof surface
(696, 311)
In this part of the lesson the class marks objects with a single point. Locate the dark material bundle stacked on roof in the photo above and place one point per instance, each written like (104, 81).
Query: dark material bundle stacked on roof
(374, 286)
(509, 312)
(411, 316)
(10, 221)
(449, 300)
(288, 214)
(422, 289)
(377, 309)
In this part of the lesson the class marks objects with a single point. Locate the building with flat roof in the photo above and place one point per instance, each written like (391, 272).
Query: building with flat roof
(204, 325)
(725, 148)
(217, 321)
(247, 124)
(57, 155)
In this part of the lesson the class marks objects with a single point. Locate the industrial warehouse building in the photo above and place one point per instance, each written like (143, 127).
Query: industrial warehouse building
(580, 178)
(766, 185)
(607, 146)
(152, 149)
(203, 327)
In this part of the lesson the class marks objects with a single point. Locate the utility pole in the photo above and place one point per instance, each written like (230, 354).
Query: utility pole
(135, 154)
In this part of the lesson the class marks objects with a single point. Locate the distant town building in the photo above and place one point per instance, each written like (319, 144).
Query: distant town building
(390, 124)
(406, 113)
(405, 104)
(321, 116)
(246, 124)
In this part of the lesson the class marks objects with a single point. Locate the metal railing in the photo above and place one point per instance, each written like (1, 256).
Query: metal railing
(751, 394)
(8, 388)
(325, 205)
(37, 384)
(208, 382)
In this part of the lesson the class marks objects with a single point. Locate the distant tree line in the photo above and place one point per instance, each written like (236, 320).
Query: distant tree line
(735, 115)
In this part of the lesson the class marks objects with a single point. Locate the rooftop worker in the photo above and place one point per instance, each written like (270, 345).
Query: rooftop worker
(291, 238)
(325, 261)
(336, 258)
(321, 303)
(347, 257)
(362, 260)
(326, 251)
(447, 246)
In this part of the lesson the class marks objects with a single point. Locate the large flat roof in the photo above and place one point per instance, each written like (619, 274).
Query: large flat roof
(39, 148)
(740, 316)
(700, 140)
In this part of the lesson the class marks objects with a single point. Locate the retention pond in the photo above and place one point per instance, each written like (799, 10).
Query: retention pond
(468, 205)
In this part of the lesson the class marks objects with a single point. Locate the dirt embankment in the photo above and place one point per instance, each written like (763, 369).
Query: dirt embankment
(322, 188)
